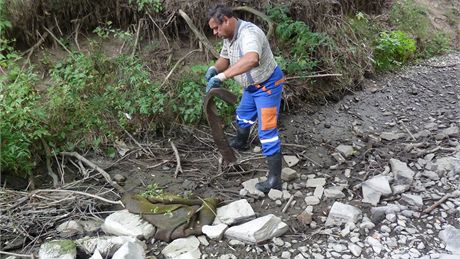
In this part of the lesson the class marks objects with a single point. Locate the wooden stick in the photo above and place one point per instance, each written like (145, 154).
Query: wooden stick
(58, 41)
(97, 168)
(17, 255)
(137, 38)
(287, 204)
(81, 193)
(137, 143)
(48, 164)
(443, 199)
(178, 166)
(404, 125)
(177, 64)
(313, 76)
(198, 34)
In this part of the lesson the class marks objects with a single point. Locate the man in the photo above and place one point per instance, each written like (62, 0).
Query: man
(246, 56)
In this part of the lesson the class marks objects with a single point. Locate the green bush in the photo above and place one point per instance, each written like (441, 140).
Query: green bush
(410, 17)
(437, 45)
(297, 37)
(23, 121)
(92, 97)
(393, 49)
(188, 102)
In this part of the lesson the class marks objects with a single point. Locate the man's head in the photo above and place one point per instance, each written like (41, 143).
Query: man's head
(221, 21)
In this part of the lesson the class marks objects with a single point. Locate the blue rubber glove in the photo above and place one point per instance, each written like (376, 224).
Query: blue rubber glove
(212, 71)
(214, 82)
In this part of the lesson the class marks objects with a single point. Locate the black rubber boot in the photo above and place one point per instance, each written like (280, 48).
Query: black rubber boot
(240, 142)
(274, 174)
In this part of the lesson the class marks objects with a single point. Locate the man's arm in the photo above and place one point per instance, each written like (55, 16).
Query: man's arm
(246, 63)
(221, 64)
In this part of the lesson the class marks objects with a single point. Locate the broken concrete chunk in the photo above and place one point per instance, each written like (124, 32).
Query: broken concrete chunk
(214, 232)
(234, 213)
(312, 200)
(258, 230)
(318, 192)
(130, 250)
(391, 135)
(451, 237)
(250, 186)
(106, 245)
(124, 223)
(453, 130)
(315, 182)
(274, 194)
(374, 188)
(414, 200)
(291, 160)
(403, 176)
(183, 248)
(342, 213)
(338, 157)
(69, 228)
(288, 174)
(58, 249)
(345, 150)
(334, 193)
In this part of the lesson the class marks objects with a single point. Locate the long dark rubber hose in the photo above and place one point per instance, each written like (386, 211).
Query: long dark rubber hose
(215, 122)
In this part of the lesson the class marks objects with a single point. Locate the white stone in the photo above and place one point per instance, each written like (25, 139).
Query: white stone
(96, 255)
(58, 249)
(69, 228)
(374, 188)
(403, 176)
(312, 200)
(355, 249)
(451, 237)
(250, 186)
(315, 182)
(124, 223)
(319, 190)
(183, 248)
(130, 250)
(234, 213)
(274, 194)
(288, 174)
(106, 245)
(258, 230)
(291, 160)
(391, 135)
(345, 150)
(334, 193)
(414, 200)
(342, 213)
(375, 244)
(338, 157)
(214, 232)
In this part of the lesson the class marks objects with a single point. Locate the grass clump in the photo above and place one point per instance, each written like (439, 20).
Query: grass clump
(393, 49)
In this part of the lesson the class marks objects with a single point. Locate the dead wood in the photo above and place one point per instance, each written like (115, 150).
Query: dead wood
(198, 34)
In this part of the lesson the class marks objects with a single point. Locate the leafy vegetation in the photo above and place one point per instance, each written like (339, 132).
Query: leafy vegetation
(412, 18)
(296, 37)
(23, 121)
(393, 49)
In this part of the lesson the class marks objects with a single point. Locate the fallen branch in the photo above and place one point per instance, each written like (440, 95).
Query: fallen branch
(443, 199)
(48, 164)
(404, 125)
(259, 14)
(58, 41)
(137, 143)
(177, 64)
(97, 168)
(198, 34)
(137, 38)
(178, 166)
(313, 76)
(288, 204)
(17, 255)
(81, 193)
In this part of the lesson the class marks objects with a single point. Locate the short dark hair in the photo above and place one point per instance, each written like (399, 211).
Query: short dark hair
(218, 12)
